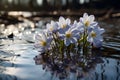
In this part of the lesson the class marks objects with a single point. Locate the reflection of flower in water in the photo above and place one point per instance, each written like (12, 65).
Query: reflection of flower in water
(80, 65)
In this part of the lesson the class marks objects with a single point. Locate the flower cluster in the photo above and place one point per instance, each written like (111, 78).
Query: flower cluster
(62, 35)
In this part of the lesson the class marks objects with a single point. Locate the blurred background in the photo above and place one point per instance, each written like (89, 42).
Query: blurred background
(49, 5)
(54, 8)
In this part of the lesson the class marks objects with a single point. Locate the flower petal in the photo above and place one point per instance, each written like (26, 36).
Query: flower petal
(67, 42)
(91, 18)
(68, 21)
(73, 40)
(62, 20)
(85, 15)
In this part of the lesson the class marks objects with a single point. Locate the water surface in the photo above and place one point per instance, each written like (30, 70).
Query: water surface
(17, 63)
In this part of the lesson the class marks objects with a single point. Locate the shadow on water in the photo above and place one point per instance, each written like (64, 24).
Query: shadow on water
(16, 58)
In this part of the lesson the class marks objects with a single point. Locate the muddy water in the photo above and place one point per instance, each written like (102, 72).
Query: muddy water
(16, 57)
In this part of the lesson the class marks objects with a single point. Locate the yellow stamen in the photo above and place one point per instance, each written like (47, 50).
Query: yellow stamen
(63, 26)
(51, 28)
(43, 43)
(87, 23)
(68, 35)
(93, 34)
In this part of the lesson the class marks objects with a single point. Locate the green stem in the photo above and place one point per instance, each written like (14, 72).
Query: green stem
(85, 46)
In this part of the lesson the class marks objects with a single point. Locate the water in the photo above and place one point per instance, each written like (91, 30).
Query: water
(17, 63)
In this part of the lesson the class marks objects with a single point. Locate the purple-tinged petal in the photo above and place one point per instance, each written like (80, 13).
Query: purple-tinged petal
(61, 19)
(91, 18)
(85, 15)
(93, 24)
(97, 43)
(81, 20)
(73, 40)
(67, 42)
(68, 21)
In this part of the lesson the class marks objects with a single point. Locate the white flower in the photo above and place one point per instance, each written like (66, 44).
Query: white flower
(70, 36)
(42, 42)
(88, 21)
(95, 37)
(63, 23)
(52, 27)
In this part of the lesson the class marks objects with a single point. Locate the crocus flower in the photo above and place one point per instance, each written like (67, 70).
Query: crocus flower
(70, 36)
(95, 36)
(88, 21)
(52, 27)
(64, 24)
(42, 42)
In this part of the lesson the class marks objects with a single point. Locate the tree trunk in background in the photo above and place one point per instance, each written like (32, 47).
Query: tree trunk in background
(67, 4)
(45, 4)
(30, 3)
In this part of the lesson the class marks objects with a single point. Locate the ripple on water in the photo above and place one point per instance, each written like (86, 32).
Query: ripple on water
(23, 67)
